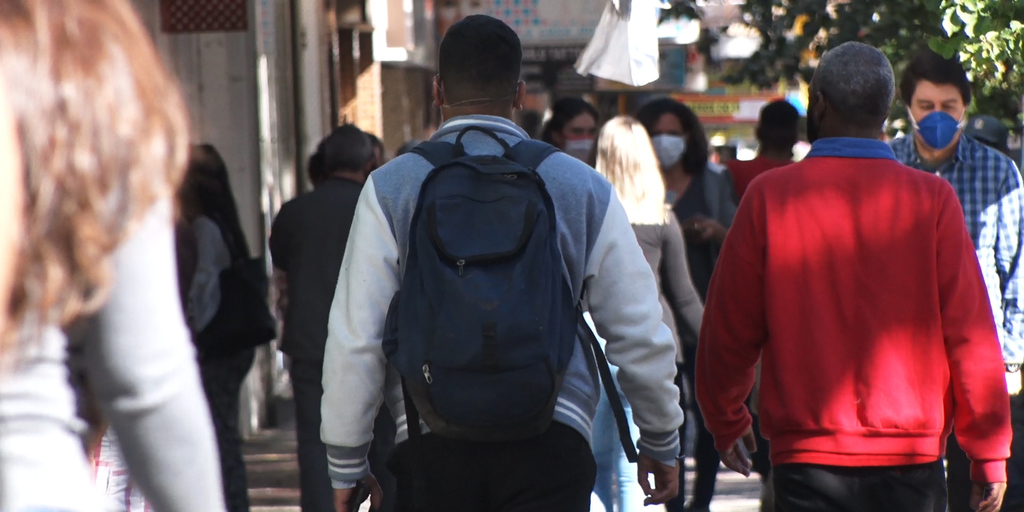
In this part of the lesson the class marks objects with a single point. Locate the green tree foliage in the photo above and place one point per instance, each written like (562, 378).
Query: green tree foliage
(987, 34)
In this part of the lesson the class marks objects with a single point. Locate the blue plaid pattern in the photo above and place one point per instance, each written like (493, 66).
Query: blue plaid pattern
(991, 194)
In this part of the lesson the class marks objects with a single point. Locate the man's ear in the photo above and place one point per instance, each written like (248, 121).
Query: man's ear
(517, 104)
(438, 92)
(819, 104)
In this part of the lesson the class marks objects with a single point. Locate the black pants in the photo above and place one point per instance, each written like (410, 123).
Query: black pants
(552, 472)
(814, 488)
(317, 493)
(222, 382)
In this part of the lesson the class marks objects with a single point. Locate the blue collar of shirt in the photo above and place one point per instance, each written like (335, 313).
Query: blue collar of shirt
(849, 147)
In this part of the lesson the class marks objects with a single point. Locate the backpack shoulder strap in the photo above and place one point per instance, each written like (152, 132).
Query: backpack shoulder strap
(531, 153)
(437, 153)
(589, 340)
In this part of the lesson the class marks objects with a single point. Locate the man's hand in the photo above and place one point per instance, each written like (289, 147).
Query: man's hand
(348, 500)
(987, 497)
(735, 459)
(666, 480)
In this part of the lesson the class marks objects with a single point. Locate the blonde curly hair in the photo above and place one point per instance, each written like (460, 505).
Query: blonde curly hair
(103, 134)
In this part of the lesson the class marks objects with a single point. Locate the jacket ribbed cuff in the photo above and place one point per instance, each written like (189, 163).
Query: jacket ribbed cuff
(347, 465)
(663, 447)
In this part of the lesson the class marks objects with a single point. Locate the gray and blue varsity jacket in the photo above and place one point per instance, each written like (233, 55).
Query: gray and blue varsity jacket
(599, 248)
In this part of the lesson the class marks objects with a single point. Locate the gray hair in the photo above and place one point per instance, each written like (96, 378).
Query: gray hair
(857, 80)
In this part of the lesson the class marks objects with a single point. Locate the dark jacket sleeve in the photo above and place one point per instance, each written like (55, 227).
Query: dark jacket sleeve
(677, 285)
(280, 231)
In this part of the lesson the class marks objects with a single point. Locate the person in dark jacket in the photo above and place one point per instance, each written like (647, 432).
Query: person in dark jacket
(307, 244)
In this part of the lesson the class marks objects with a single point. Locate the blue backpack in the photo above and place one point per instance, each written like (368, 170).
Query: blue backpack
(485, 322)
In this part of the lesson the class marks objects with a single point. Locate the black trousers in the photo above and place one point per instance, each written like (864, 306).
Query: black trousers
(314, 482)
(814, 488)
(552, 472)
(222, 382)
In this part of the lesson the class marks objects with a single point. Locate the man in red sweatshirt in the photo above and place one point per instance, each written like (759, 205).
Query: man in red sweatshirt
(854, 281)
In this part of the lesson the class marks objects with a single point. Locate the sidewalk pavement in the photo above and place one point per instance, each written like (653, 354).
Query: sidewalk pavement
(274, 473)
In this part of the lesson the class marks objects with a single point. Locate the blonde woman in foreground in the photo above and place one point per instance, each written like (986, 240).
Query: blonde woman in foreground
(104, 140)
(10, 203)
(625, 157)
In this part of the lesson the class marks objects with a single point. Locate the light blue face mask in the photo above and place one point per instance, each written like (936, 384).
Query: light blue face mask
(938, 129)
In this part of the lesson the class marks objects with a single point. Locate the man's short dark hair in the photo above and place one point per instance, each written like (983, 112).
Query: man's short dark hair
(778, 125)
(346, 149)
(930, 66)
(857, 81)
(479, 58)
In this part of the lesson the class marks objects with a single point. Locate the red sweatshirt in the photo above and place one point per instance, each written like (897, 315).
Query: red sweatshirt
(855, 282)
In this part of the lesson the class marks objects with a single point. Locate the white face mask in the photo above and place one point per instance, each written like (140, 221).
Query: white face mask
(579, 148)
(669, 148)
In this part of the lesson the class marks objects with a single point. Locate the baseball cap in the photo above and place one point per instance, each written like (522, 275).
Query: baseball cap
(989, 131)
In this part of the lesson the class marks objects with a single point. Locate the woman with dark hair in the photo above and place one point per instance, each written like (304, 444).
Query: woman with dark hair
(103, 136)
(572, 127)
(703, 199)
(209, 206)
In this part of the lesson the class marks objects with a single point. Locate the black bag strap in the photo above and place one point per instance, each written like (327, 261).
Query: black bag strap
(528, 153)
(412, 425)
(590, 339)
(461, 150)
(237, 254)
(532, 153)
(437, 153)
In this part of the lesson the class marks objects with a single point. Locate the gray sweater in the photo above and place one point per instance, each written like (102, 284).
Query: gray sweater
(142, 367)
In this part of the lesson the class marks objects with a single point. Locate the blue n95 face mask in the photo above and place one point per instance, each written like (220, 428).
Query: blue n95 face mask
(938, 129)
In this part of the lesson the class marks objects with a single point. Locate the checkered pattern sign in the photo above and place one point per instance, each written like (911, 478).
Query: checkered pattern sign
(184, 16)
(550, 21)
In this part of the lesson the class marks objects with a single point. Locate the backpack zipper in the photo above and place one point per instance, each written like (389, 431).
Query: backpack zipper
(426, 373)
(461, 264)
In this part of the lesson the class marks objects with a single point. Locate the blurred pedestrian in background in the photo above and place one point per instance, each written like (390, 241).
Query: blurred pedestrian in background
(776, 132)
(703, 200)
(990, 132)
(307, 243)
(209, 206)
(572, 128)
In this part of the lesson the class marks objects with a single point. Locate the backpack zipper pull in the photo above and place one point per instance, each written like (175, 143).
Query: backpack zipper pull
(426, 374)
(460, 264)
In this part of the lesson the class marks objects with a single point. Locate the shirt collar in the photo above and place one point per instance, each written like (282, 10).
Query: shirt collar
(849, 147)
(963, 149)
(496, 124)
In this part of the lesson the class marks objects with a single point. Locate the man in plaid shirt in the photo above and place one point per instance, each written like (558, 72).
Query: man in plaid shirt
(937, 93)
